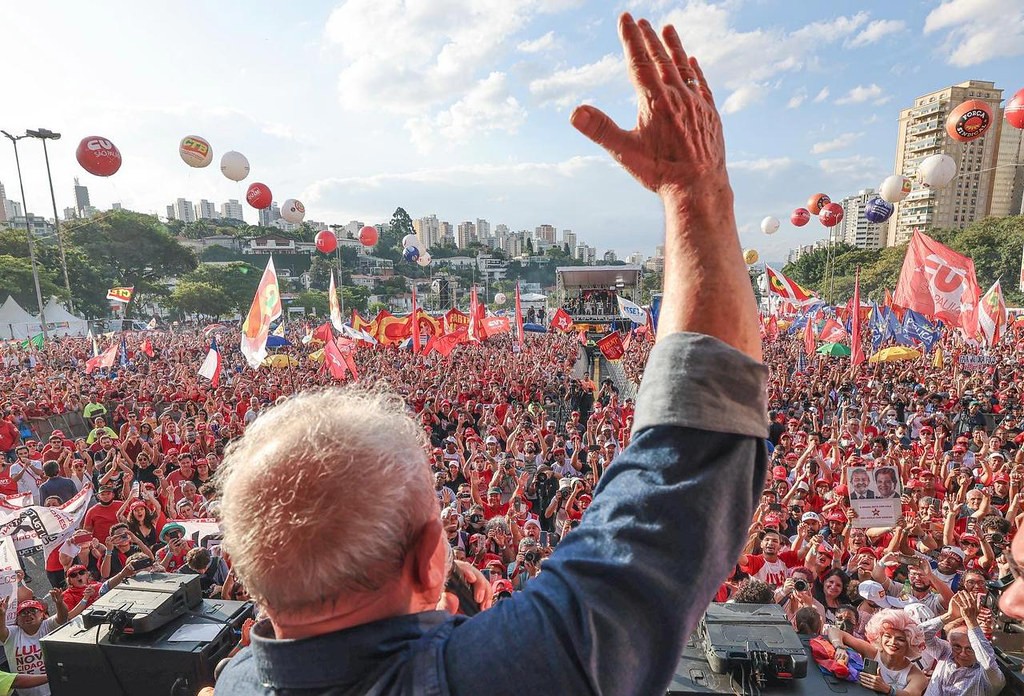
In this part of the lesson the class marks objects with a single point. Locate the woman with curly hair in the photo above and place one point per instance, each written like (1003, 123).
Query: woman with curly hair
(893, 640)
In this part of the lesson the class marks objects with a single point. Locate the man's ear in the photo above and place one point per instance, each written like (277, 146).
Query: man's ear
(429, 556)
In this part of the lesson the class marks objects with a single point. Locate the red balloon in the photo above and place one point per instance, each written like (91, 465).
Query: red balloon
(800, 217)
(831, 214)
(258, 196)
(1015, 109)
(816, 202)
(969, 120)
(326, 242)
(98, 156)
(368, 236)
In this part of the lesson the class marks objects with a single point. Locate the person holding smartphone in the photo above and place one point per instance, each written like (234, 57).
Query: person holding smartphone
(893, 641)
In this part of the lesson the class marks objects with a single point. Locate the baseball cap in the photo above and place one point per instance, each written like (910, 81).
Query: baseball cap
(1002, 476)
(772, 520)
(959, 449)
(843, 490)
(810, 516)
(912, 483)
(491, 440)
(835, 516)
(956, 550)
(502, 585)
(780, 473)
(875, 593)
(927, 429)
(531, 523)
(77, 568)
(31, 604)
(970, 537)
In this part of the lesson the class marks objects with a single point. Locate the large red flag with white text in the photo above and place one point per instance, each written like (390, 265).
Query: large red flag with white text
(939, 283)
(611, 346)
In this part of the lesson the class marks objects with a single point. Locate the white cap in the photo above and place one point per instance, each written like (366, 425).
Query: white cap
(875, 593)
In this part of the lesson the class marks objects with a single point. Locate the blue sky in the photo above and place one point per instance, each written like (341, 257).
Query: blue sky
(460, 107)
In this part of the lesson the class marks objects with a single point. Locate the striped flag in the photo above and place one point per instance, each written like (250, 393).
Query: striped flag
(210, 369)
(787, 288)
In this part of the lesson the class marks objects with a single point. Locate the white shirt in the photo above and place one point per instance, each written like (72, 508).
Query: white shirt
(983, 679)
(25, 654)
(28, 483)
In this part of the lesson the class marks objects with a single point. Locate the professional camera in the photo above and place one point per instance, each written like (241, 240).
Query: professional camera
(531, 557)
(800, 585)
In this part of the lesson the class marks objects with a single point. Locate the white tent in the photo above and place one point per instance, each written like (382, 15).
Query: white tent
(15, 322)
(61, 322)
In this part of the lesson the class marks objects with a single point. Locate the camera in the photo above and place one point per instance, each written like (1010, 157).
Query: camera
(531, 557)
(800, 585)
(476, 518)
(994, 538)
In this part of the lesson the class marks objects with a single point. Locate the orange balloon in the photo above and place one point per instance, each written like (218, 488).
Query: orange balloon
(969, 120)
(816, 202)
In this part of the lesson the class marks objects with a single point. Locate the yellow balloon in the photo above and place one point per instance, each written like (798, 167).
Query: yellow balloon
(750, 256)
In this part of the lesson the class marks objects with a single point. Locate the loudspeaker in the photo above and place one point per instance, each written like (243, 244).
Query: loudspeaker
(177, 659)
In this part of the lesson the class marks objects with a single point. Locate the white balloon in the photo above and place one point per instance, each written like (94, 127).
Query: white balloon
(195, 151)
(770, 225)
(424, 259)
(895, 188)
(293, 211)
(410, 240)
(234, 165)
(936, 171)
(499, 298)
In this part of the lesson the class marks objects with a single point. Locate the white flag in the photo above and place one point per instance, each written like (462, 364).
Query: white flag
(634, 312)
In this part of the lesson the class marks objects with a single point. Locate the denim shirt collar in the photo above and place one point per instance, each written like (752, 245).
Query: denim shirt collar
(339, 658)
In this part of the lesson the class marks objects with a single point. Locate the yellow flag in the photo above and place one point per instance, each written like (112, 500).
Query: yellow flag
(937, 359)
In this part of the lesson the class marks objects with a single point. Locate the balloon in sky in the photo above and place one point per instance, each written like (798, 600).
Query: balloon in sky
(293, 211)
(877, 210)
(326, 241)
(234, 165)
(411, 254)
(895, 188)
(750, 256)
(800, 217)
(831, 214)
(816, 202)
(969, 120)
(98, 156)
(936, 171)
(770, 225)
(424, 259)
(499, 298)
(1014, 111)
(410, 240)
(368, 236)
(195, 151)
(258, 195)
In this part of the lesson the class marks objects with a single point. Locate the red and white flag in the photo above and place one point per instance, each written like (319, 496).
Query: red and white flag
(492, 326)
(210, 369)
(832, 331)
(562, 321)
(265, 308)
(332, 304)
(335, 361)
(520, 336)
(105, 359)
(939, 283)
(415, 323)
(809, 343)
(787, 288)
(992, 315)
(611, 346)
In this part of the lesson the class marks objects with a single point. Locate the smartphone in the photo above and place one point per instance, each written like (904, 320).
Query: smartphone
(486, 573)
(142, 563)
(870, 667)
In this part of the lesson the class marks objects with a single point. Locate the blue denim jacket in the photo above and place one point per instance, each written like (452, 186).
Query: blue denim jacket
(615, 602)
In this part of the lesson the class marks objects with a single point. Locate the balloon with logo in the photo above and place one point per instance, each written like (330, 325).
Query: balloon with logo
(195, 151)
(411, 254)
(326, 241)
(877, 210)
(936, 171)
(770, 225)
(293, 211)
(499, 298)
(895, 188)
(816, 202)
(424, 259)
(98, 156)
(800, 217)
(368, 236)
(969, 120)
(750, 256)
(831, 214)
(1014, 111)
(258, 196)
(234, 165)
(409, 240)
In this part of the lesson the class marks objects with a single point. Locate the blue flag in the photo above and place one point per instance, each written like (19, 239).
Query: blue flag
(896, 331)
(879, 327)
(124, 351)
(919, 328)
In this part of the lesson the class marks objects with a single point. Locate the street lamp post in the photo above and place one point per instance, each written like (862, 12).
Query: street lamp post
(28, 231)
(44, 135)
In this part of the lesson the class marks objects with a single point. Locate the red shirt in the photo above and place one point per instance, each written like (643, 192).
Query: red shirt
(8, 435)
(101, 518)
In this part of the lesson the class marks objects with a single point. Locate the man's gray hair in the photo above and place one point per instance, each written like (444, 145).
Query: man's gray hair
(323, 496)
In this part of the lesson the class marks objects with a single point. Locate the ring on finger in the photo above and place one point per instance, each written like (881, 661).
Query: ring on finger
(692, 82)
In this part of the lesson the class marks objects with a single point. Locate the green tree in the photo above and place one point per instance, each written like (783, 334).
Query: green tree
(199, 298)
(16, 280)
(237, 281)
(389, 241)
(314, 301)
(356, 297)
(320, 272)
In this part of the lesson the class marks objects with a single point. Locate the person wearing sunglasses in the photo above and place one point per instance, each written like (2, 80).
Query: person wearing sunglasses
(82, 590)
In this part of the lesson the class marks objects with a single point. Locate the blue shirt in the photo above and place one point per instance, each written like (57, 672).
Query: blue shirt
(614, 604)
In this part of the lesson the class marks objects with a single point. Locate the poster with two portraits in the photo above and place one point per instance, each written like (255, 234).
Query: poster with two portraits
(875, 495)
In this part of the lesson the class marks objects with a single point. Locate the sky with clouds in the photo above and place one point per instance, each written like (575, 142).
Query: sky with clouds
(460, 107)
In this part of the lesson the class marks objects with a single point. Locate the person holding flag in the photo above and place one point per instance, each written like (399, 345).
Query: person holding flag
(210, 369)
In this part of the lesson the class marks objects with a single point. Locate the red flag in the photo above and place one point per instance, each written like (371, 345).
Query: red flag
(787, 288)
(415, 324)
(627, 342)
(562, 321)
(992, 315)
(611, 346)
(492, 326)
(334, 360)
(323, 332)
(939, 283)
(476, 315)
(147, 348)
(583, 337)
(446, 344)
(809, 344)
(105, 359)
(210, 369)
(520, 336)
(455, 319)
(832, 332)
(856, 349)
(772, 329)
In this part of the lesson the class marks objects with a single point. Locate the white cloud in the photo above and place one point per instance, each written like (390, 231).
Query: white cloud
(798, 98)
(840, 142)
(487, 107)
(821, 96)
(862, 93)
(744, 96)
(763, 164)
(876, 31)
(978, 30)
(538, 45)
(566, 87)
(859, 168)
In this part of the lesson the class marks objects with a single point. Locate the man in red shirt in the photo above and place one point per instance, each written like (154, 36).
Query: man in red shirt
(9, 438)
(102, 516)
(769, 566)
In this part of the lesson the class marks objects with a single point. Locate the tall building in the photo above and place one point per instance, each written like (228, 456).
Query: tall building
(1008, 187)
(569, 238)
(232, 210)
(635, 259)
(428, 229)
(483, 231)
(545, 233)
(205, 210)
(69, 213)
(269, 215)
(855, 229)
(610, 256)
(922, 133)
(3, 204)
(170, 213)
(184, 211)
(81, 198)
(447, 233)
(464, 234)
(12, 209)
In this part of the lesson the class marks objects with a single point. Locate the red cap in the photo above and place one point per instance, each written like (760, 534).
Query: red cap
(927, 429)
(490, 558)
(825, 550)
(136, 504)
(792, 457)
(171, 450)
(970, 537)
(913, 483)
(868, 550)
(821, 482)
(1002, 476)
(31, 604)
(76, 568)
(959, 449)
(835, 516)
(772, 520)
(780, 473)
(502, 585)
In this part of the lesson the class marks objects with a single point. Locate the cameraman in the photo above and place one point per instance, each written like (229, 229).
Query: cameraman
(795, 594)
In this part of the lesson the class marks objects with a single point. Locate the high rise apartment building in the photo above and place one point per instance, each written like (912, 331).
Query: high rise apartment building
(464, 234)
(81, 198)
(232, 210)
(855, 229)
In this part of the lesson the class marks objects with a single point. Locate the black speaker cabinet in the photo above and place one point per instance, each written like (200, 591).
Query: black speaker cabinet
(177, 659)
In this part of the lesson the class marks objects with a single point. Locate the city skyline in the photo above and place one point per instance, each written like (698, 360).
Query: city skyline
(376, 107)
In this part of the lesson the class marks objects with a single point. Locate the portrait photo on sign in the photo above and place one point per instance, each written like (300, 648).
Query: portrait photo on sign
(887, 483)
(862, 484)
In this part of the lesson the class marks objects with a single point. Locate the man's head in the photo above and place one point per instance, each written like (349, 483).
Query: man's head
(78, 576)
(31, 614)
(376, 555)
(198, 559)
(885, 481)
(860, 481)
